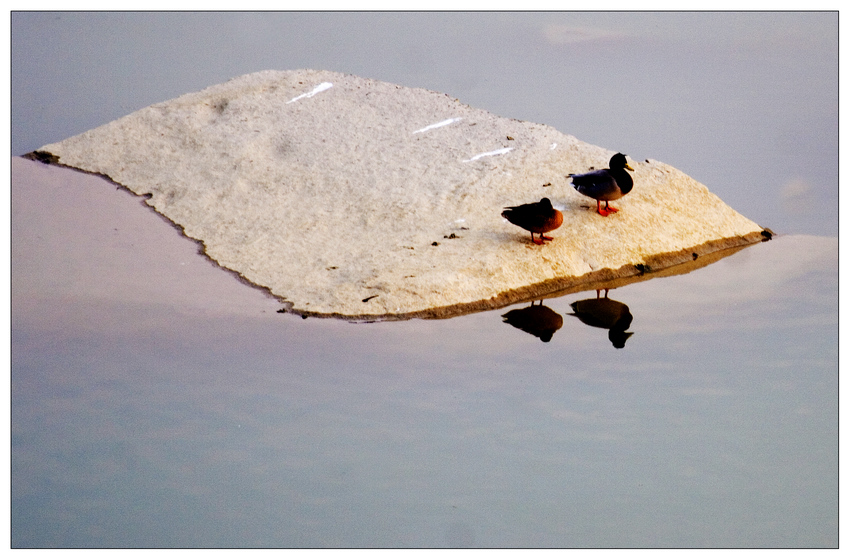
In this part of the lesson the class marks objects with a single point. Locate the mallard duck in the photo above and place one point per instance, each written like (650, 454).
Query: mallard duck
(536, 217)
(537, 320)
(605, 184)
(605, 313)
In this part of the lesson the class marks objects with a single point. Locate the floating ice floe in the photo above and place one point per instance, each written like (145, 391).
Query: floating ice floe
(338, 210)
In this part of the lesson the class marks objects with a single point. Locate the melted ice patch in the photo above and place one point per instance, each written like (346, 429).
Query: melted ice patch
(485, 154)
(318, 89)
(437, 125)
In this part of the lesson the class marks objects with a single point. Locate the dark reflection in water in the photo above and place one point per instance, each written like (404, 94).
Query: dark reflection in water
(601, 311)
(538, 320)
(606, 314)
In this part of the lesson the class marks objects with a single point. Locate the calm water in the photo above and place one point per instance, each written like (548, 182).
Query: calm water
(158, 402)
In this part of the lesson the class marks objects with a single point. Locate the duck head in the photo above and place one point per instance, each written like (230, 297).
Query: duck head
(618, 161)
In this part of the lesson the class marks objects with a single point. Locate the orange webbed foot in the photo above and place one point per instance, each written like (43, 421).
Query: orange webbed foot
(605, 211)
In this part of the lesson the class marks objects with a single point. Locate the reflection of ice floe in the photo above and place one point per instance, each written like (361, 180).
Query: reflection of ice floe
(765, 271)
(738, 292)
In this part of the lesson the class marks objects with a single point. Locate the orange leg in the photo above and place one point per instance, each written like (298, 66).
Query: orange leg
(605, 211)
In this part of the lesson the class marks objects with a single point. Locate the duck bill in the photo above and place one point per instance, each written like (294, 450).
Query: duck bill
(629, 167)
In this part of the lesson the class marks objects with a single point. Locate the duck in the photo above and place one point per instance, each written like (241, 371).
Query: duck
(536, 217)
(605, 313)
(537, 320)
(605, 184)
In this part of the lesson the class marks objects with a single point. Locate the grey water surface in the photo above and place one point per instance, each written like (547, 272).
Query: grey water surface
(157, 401)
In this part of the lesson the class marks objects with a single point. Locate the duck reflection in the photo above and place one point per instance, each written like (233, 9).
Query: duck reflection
(606, 314)
(538, 320)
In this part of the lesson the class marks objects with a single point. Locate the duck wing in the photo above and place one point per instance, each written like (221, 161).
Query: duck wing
(527, 214)
(596, 184)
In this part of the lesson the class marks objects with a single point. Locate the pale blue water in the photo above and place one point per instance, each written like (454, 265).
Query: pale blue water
(157, 402)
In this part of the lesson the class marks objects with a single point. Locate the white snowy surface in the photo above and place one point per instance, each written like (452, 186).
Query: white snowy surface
(352, 197)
